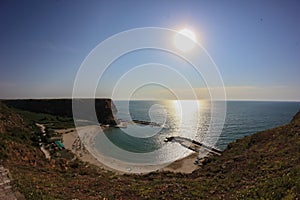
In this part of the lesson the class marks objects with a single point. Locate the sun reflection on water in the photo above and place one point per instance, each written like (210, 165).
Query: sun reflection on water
(187, 116)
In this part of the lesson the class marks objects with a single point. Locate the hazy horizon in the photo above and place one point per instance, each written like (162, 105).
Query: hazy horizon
(254, 44)
(228, 100)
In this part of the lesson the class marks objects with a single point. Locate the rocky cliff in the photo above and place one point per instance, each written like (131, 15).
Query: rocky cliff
(63, 107)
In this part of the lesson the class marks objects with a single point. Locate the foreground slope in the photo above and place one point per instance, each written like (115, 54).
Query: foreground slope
(264, 165)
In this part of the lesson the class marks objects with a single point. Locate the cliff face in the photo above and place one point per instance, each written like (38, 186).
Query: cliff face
(63, 107)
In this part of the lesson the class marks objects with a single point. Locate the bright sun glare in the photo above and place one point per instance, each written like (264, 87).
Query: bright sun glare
(185, 39)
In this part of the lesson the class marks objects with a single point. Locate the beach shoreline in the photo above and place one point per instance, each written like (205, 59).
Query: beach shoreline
(81, 142)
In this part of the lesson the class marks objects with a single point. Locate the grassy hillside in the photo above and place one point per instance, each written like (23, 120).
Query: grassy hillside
(265, 165)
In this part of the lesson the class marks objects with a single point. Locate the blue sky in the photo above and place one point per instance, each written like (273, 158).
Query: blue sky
(255, 44)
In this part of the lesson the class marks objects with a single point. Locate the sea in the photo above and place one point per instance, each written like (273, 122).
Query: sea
(144, 125)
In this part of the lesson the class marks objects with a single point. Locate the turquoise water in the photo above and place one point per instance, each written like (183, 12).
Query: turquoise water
(174, 118)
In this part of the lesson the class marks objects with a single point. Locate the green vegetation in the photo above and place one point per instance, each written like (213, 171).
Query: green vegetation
(265, 165)
(51, 121)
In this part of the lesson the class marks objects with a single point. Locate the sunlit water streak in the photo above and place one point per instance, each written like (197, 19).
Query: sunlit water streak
(189, 119)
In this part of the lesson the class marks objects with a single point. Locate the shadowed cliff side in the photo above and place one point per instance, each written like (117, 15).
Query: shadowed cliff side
(104, 108)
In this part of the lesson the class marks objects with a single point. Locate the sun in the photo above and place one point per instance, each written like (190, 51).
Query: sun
(185, 39)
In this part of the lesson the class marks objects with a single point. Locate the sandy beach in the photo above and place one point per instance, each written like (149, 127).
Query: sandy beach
(73, 143)
(74, 140)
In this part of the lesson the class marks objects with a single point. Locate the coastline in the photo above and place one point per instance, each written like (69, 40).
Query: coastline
(87, 153)
(72, 142)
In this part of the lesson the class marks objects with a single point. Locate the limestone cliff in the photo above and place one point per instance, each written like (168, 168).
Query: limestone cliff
(63, 107)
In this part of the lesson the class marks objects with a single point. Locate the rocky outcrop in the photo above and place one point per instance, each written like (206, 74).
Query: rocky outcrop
(104, 108)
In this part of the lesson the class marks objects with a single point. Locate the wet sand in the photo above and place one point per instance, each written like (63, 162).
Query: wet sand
(73, 142)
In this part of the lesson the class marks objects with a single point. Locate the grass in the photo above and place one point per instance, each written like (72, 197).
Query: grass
(265, 165)
(51, 121)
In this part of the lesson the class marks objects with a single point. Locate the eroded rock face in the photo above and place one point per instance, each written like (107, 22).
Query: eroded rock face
(63, 107)
(102, 109)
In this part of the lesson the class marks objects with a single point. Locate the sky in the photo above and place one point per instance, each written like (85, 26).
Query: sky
(254, 44)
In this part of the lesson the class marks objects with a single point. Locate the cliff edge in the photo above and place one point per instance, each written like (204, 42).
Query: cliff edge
(104, 108)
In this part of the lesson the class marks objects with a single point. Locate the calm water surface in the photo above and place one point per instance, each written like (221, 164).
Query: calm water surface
(190, 119)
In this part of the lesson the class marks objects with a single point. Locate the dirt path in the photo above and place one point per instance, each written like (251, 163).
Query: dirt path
(45, 151)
